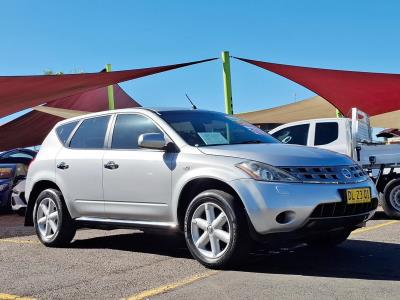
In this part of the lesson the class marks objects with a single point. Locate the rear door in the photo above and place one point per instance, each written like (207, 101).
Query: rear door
(138, 185)
(80, 166)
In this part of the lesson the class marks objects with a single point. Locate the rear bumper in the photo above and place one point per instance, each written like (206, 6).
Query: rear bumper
(308, 206)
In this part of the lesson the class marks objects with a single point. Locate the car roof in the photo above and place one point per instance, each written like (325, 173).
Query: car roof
(156, 110)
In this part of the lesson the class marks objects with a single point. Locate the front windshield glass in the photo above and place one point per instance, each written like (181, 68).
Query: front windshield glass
(204, 128)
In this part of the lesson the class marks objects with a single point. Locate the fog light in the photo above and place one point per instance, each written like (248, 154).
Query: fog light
(285, 217)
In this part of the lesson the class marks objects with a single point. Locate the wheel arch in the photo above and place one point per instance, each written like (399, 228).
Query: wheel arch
(385, 180)
(195, 187)
(37, 188)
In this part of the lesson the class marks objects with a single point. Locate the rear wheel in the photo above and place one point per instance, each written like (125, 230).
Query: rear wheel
(391, 198)
(53, 224)
(329, 239)
(216, 230)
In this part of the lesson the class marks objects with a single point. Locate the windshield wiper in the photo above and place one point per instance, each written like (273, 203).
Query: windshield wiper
(250, 142)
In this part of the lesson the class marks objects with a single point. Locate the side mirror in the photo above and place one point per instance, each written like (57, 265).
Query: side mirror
(152, 141)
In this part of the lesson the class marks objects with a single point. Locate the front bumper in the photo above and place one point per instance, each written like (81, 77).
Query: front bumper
(18, 200)
(267, 202)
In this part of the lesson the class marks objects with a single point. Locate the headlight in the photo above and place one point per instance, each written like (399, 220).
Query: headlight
(3, 187)
(264, 172)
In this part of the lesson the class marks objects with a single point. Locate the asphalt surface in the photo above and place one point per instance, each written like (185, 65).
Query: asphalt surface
(125, 263)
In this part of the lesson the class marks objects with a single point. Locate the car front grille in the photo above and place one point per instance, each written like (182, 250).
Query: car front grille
(336, 174)
(341, 209)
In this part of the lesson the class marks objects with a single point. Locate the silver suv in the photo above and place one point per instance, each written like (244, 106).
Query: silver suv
(221, 181)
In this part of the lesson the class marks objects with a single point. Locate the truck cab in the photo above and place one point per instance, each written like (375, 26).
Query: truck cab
(329, 133)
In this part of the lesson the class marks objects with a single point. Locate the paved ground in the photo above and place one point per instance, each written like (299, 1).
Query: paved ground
(124, 263)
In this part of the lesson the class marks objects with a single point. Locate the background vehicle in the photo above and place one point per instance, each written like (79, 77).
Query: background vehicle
(352, 137)
(10, 174)
(18, 201)
(220, 180)
(13, 168)
(18, 155)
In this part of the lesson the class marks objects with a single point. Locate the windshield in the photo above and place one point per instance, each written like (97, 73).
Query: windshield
(204, 128)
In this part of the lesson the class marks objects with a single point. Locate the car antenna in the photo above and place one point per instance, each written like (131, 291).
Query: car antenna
(191, 102)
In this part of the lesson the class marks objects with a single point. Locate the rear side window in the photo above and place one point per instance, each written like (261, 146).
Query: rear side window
(90, 134)
(65, 130)
(326, 133)
(297, 134)
(128, 128)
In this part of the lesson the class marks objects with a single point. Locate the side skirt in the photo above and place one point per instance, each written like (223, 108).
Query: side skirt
(103, 223)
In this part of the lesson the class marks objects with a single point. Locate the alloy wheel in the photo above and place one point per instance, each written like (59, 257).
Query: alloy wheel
(210, 230)
(47, 217)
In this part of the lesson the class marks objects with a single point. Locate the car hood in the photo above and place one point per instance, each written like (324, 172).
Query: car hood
(282, 155)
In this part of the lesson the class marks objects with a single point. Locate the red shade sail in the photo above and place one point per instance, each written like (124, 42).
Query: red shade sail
(21, 92)
(31, 128)
(373, 93)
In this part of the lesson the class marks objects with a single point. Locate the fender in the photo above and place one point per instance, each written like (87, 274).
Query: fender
(225, 174)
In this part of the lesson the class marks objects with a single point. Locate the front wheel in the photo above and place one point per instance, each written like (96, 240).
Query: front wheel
(329, 239)
(53, 224)
(216, 229)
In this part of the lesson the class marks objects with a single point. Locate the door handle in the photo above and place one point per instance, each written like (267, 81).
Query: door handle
(111, 165)
(62, 166)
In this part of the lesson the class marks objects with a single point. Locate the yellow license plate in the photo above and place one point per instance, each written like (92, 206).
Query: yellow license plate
(355, 196)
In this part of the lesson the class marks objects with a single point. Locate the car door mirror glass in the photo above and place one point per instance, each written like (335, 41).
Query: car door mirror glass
(152, 141)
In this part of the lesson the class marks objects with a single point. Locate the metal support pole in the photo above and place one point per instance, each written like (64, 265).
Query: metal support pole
(110, 91)
(227, 82)
(338, 114)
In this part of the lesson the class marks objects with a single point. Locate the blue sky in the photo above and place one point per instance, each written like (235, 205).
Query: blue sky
(85, 35)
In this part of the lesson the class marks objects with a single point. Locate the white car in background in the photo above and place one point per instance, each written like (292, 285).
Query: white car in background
(18, 201)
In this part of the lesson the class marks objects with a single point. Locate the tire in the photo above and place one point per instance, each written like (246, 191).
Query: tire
(58, 229)
(329, 239)
(390, 199)
(223, 244)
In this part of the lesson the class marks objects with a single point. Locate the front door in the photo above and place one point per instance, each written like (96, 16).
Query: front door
(136, 182)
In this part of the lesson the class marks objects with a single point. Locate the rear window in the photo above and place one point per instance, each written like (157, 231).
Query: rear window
(297, 134)
(65, 130)
(90, 134)
(326, 133)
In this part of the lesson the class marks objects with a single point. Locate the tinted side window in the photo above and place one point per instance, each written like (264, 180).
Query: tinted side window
(90, 134)
(326, 133)
(297, 134)
(128, 128)
(65, 130)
